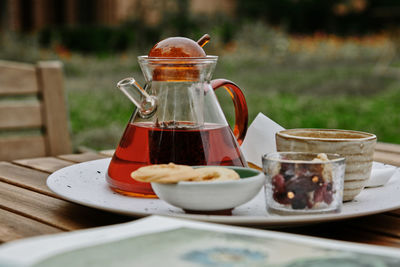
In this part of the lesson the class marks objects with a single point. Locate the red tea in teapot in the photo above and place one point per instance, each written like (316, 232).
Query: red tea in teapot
(144, 143)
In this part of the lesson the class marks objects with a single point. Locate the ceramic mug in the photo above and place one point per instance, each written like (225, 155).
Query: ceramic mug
(357, 148)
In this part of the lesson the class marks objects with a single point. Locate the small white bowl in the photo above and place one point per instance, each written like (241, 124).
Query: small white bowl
(212, 195)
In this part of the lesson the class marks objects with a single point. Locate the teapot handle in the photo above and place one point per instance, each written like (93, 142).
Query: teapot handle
(241, 113)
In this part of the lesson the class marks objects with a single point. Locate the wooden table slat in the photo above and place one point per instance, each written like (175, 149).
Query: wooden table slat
(78, 158)
(395, 212)
(383, 224)
(26, 201)
(14, 226)
(386, 147)
(387, 157)
(108, 153)
(362, 236)
(46, 164)
(26, 178)
(51, 211)
(344, 231)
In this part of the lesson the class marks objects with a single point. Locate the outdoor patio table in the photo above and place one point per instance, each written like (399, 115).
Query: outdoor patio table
(28, 208)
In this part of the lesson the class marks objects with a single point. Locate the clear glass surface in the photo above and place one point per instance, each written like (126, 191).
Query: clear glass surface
(187, 125)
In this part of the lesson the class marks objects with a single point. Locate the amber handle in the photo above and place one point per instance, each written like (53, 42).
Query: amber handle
(241, 113)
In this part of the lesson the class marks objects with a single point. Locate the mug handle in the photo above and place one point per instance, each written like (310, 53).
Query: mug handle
(241, 112)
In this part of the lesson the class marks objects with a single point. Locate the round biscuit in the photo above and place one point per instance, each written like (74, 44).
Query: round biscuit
(216, 174)
(164, 173)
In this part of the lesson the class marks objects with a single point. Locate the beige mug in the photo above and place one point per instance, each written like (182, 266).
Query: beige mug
(357, 148)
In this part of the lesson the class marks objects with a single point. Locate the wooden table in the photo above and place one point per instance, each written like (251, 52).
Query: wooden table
(28, 208)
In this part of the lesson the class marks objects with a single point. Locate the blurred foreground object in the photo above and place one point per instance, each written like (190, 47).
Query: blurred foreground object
(33, 116)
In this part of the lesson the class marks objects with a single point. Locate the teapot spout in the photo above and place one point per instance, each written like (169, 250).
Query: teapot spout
(146, 104)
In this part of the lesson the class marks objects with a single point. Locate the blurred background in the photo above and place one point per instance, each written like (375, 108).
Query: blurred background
(303, 63)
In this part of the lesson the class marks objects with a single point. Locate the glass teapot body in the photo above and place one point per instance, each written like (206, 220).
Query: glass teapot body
(181, 122)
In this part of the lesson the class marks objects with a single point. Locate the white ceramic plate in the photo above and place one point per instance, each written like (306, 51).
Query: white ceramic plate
(85, 184)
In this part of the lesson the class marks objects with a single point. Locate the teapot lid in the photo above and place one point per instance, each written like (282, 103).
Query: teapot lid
(178, 47)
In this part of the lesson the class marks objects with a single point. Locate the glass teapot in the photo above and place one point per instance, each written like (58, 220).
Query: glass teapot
(178, 119)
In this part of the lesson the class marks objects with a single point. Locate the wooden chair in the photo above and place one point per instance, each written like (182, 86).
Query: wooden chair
(33, 116)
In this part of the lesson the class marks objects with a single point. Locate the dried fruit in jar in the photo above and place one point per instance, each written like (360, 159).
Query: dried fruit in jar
(304, 185)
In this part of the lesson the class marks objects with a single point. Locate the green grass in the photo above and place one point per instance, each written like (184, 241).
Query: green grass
(327, 86)
(344, 95)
